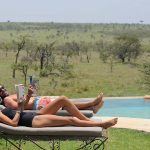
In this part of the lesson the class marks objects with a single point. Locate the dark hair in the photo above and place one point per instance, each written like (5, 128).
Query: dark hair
(2, 97)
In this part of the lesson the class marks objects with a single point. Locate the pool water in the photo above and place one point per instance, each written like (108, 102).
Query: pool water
(126, 107)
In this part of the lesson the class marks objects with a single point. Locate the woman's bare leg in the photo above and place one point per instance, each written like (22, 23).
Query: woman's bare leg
(53, 120)
(93, 105)
(64, 102)
(89, 123)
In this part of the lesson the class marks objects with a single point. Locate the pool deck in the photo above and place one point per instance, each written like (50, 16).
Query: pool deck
(125, 122)
(127, 97)
(131, 123)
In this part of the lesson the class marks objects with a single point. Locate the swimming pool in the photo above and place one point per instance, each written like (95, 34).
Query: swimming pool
(125, 107)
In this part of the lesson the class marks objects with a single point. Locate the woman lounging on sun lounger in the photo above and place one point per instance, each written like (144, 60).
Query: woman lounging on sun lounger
(36, 103)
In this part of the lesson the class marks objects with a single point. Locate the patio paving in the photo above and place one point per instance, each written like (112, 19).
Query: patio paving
(131, 123)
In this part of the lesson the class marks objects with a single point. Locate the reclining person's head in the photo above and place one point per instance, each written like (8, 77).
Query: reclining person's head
(3, 92)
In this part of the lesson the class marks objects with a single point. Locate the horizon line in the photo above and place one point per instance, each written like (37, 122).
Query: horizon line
(9, 21)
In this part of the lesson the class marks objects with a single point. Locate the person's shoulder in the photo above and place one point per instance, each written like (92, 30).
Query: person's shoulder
(13, 96)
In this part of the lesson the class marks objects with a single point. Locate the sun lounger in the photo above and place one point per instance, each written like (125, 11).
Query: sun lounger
(87, 113)
(87, 137)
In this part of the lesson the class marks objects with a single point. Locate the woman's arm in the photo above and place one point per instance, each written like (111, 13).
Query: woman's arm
(14, 122)
(28, 96)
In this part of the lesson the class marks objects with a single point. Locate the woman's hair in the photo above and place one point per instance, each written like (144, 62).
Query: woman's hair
(2, 97)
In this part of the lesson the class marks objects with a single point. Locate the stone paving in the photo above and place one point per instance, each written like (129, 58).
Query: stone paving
(131, 123)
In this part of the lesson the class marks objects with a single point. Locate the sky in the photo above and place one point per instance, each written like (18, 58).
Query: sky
(75, 11)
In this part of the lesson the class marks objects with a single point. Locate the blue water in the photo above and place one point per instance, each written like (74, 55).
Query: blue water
(134, 108)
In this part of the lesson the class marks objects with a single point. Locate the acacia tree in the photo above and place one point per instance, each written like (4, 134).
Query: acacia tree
(6, 46)
(19, 45)
(74, 47)
(24, 66)
(44, 52)
(85, 51)
(51, 63)
(101, 47)
(127, 47)
(106, 52)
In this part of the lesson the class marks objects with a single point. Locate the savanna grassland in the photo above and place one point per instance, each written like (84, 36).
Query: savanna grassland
(87, 79)
(75, 66)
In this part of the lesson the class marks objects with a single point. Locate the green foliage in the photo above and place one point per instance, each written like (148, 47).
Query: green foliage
(127, 47)
(145, 69)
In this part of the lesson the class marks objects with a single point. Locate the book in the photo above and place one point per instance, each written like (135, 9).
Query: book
(20, 90)
(34, 83)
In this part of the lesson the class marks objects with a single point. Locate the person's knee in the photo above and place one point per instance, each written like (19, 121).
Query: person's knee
(74, 121)
(63, 100)
(62, 97)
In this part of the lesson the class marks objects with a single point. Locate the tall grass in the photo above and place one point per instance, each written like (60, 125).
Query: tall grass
(88, 79)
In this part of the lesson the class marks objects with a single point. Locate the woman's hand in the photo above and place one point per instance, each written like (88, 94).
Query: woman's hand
(28, 96)
(30, 91)
(12, 122)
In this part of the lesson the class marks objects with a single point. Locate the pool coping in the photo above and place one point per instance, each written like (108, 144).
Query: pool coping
(104, 98)
(126, 97)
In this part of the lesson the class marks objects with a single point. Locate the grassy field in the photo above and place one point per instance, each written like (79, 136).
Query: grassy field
(88, 79)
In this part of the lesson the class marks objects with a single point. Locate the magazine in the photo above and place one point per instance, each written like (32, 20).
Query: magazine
(20, 90)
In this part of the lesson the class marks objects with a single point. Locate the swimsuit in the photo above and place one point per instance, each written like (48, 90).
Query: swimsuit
(42, 101)
(25, 117)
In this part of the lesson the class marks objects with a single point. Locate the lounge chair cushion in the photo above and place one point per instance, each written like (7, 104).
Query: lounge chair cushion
(53, 131)
(87, 113)
(2, 107)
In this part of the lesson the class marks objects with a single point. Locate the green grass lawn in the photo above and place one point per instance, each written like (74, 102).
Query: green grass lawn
(127, 139)
(119, 139)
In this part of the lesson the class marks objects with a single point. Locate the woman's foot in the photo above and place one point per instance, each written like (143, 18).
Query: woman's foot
(109, 123)
(97, 107)
(98, 99)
